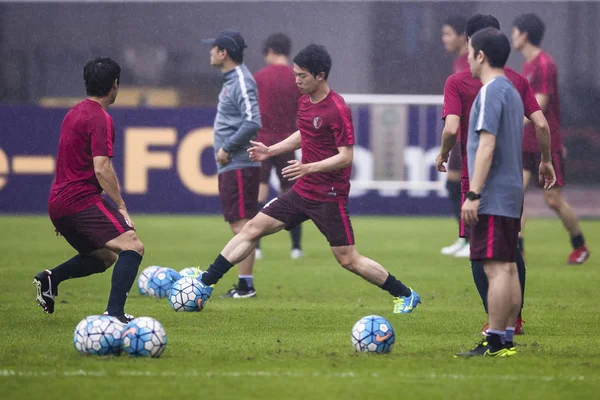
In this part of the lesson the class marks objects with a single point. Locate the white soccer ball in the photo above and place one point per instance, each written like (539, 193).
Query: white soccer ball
(144, 279)
(81, 333)
(373, 334)
(191, 272)
(161, 282)
(188, 294)
(104, 336)
(145, 337)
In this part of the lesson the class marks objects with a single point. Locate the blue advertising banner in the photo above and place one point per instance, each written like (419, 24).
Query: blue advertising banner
(165, 162)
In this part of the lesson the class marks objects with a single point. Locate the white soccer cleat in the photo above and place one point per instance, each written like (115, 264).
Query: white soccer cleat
(454, 247)
(464, 252)
(258, 254)
(296, 254)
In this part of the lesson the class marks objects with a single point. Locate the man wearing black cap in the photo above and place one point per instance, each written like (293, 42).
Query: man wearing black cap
(237, 122)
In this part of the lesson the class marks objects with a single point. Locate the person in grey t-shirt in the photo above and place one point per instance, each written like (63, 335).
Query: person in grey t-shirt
(236, 124)
(495, 202)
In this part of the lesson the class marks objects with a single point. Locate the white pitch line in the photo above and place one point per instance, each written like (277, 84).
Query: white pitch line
(9, 373)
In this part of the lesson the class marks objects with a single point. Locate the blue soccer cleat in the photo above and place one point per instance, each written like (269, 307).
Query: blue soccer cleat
(405, 305)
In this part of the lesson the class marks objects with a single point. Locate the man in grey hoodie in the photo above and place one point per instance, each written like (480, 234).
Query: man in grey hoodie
(237, 122)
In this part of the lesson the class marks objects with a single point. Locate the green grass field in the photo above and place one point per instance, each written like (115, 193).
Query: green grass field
(293, 340)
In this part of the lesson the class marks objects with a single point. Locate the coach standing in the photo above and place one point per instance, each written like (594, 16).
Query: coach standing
(237, 122)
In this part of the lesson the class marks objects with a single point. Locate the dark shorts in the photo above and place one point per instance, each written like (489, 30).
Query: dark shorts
(91, 228)
(279, 163)
(330, 217)
(495, 238)
(531, 163)
(238, 190)
(455, 158)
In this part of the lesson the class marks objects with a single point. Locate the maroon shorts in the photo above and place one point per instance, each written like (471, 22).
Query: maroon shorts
(238, 190)
(91, 228)
(279, 163)
(455, 158)
(531, 163)
(495, 238)
(330, 217)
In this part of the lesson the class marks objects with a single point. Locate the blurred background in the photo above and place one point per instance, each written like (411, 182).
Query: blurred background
(390, 47)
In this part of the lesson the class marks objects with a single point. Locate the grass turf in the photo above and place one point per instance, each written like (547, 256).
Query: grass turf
(293, 340)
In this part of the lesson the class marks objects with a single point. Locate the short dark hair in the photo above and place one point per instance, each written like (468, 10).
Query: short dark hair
(494, 44)
(315, 59)
(480, 21)
(533, 26)
(237, 57)
(457, 22)
(280, 43)
(99, 76)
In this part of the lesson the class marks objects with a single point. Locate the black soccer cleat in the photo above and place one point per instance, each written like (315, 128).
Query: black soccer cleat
(238, 292)
(125, 318)
(46, 291)
(483, 349)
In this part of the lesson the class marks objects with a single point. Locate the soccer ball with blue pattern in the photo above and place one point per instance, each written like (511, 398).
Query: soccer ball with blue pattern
(161, 282)
(144, 337)
(81, 333)
(104, 336)
(373, 334)
(191, 272)
(144, 279)
(188, 294)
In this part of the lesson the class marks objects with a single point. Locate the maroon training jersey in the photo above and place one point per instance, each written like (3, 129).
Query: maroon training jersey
(324, 127)
(278, 102)
(86, 132)
(541, 74)
(460, 63)
(460, 92)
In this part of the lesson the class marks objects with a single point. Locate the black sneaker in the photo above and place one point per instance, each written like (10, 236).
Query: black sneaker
(237, 292)
(483, 349)
(125, 318)
(46, 291)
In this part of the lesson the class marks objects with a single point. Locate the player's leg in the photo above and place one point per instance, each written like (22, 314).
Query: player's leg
(280, 163)
(499, 300)
(263, 194)
(278, 213)
(453, 185)
(245, 286)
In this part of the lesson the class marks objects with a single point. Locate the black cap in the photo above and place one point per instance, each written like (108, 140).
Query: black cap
(229, 40)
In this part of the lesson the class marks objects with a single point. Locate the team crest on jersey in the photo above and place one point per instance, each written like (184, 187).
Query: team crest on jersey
(317, 122)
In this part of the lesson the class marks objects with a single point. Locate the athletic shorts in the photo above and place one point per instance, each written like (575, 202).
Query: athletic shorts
(531, 163)
(238, 190)
(495, 238)
(91, 228)
(455, 158)
(279, 163)
(330, 217)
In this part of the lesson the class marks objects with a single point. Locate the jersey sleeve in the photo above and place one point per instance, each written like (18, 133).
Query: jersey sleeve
(452, 99)
(102, 134)
(530, 104)
(490, 109)
(341, 126)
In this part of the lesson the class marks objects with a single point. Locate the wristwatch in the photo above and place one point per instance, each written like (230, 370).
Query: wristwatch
(473, 196)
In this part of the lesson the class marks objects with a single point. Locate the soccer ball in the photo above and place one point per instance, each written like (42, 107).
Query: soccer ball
(145, 337)
(81, 333)
(188, 294)
(162, 281)
(144, 279)
(373, 334)
(192, 272)
(104, 336)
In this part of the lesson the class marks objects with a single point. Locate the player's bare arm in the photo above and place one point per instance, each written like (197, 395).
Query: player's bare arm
(297, 170)
(449, 137)
(483, 162)
(547, 176)
(107, 178)
(260, 152)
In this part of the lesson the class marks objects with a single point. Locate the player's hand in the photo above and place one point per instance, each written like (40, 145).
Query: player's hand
(547, 175)
(439, 162)
(469, 212)
(125, 215)
(258, 151)
(295, 170)
(223, 157)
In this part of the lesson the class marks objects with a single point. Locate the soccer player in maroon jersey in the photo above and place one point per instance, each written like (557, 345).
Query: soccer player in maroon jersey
(278, 103)
(460, 92)
(540, 70)
(100, 232)
(322, 182)
(455, 42)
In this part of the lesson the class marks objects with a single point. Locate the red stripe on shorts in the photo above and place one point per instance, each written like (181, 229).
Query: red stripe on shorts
(240, 194)
(557, 168)
(490, 239)
(345, 221)
(111, 217)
